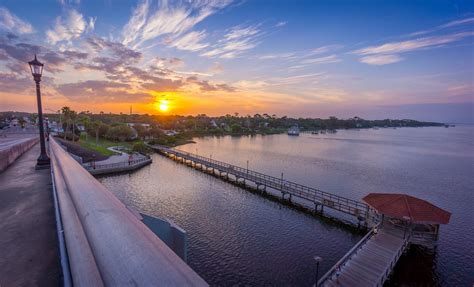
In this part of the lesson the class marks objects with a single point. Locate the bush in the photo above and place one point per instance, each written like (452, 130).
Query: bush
(140, 147)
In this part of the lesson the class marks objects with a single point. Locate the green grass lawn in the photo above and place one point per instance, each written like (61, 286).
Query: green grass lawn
(102, 145)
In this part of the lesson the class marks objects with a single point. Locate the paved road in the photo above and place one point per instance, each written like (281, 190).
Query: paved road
(28, 241)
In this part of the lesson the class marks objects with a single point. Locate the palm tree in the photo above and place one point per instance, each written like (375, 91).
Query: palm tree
(95, 125)
(66, 112)
(73, 117)
(85, 121)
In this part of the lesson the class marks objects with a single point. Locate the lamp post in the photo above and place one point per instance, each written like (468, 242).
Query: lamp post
(317, 259)
(37, 70)
(247, 166)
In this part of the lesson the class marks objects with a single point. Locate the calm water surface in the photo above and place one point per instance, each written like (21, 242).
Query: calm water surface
(239, 238)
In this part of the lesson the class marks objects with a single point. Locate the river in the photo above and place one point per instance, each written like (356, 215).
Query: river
(239, 238)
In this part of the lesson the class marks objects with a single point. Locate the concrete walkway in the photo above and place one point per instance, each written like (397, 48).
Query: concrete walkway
(120, 157)
(28, 242)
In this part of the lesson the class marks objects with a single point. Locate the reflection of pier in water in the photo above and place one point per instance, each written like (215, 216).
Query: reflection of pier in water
(397, 220)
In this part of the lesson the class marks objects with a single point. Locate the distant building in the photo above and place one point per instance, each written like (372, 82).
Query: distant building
(138, 124)
(170, 132)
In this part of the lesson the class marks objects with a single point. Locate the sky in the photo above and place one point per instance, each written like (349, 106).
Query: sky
(344, 58)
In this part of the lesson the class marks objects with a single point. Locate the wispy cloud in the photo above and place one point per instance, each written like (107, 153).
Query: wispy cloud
(148, 23)
(281, 24)
(191, 41)
(277, 56)
(238, 40)
(10, 22)
(458, 22)
(70, 27)
(325, 49)
(390, 50)
(412, 45)
(322, 60)
(380, 59)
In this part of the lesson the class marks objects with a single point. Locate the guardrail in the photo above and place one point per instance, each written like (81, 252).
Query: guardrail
(107, 244)
(333, 201)
(10, 151)
(353, 251)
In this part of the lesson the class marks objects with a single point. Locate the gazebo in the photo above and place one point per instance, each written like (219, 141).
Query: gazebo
(410, 215)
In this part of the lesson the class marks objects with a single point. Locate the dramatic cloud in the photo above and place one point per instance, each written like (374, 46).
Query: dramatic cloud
(10, 83)
(380, 59)
(167, 19)
(101, 91)
(69, 28)
(191, 41)
(10, 22)
(206, 86)
(116, 49)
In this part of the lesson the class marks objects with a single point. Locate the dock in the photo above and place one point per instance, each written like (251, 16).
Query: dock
(396, 220)
(288, 189)
(370, 262)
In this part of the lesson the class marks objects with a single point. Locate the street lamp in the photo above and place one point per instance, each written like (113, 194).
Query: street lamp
(247, 166)
(37, 70)
(317, 259)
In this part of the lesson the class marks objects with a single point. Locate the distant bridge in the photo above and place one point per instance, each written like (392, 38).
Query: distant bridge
(288, 189)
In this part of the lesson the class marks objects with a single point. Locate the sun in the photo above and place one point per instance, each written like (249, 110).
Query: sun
(164, 105)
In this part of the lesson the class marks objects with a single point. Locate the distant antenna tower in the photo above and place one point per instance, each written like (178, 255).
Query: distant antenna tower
(130, 109)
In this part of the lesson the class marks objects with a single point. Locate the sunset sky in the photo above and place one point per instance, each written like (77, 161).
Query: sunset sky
(374, 59)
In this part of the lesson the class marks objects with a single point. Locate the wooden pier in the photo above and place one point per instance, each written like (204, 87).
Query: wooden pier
(288, 189)
(369, 262)
(397, 220)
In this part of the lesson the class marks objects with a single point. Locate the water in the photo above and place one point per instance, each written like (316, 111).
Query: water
(236, 237)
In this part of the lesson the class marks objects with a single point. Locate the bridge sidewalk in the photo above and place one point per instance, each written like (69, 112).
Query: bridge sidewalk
(28, 241)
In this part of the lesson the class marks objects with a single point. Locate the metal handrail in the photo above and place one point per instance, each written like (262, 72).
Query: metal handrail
(117, 164)
(394, 260)
(347, 256)
(106, 243)
(284, 185)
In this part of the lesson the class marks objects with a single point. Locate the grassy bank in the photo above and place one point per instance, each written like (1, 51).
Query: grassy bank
(101, 145)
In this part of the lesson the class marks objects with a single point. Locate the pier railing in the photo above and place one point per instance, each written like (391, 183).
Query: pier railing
(336, 202)
(107, 245)
(91, 166)
(346, 258)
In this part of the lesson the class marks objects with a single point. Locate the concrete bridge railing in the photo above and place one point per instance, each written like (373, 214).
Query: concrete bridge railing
(106, 244)
(10, 151)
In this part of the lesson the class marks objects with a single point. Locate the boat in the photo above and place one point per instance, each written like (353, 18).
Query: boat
(294, 131)
(315, 133)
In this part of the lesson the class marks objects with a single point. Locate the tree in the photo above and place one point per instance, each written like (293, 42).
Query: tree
(73, 117)
(22, 122)
(140, 147)
(236, 128)
(95, 126)
(85, 121)
(120, 132)
(66, 111)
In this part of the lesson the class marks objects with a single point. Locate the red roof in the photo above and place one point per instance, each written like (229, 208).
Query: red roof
(404, 206)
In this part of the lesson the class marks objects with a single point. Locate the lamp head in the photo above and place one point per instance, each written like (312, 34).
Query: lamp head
(36, 68)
